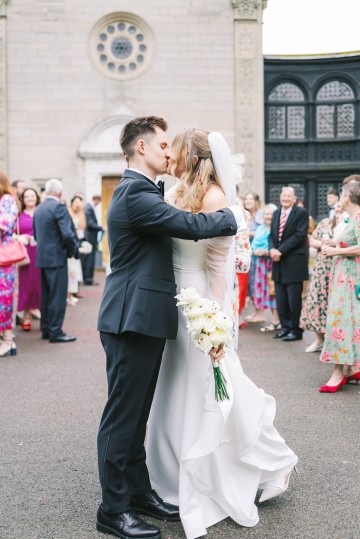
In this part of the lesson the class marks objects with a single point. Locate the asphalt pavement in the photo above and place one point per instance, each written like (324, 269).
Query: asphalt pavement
(51, 399)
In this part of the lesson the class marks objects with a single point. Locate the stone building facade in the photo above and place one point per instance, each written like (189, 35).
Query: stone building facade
(72, 72)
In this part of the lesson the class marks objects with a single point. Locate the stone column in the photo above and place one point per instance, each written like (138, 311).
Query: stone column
(3, 88)
(249, 91)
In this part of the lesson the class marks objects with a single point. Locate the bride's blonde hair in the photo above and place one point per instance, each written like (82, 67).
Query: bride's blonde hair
(197, 176)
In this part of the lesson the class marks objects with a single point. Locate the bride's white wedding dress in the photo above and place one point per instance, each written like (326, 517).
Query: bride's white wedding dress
(210, 457)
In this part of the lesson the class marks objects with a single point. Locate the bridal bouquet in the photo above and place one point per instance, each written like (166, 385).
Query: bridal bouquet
(209, 327)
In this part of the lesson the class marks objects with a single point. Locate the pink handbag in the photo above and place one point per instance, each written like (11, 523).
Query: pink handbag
(11, 253)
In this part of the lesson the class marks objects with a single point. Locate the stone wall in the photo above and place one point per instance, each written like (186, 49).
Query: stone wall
(56, 93)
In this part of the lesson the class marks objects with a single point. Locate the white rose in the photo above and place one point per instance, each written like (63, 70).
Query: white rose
(219, 337)
(187, 295)
(209, 324)
(214, 307)
(195, 324)
(200, 308)
(203, 343)
(222, 321)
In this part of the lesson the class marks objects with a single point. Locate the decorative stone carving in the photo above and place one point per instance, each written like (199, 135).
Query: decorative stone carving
(3, 4)
(249, 105)
(246, 9)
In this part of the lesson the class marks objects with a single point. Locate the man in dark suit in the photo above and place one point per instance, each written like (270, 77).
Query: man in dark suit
(91, 235)
(289, 253)
(137, 314)
(56, 239)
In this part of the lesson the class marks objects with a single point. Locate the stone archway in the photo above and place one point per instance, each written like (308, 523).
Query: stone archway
(101, 159)
(99, 152)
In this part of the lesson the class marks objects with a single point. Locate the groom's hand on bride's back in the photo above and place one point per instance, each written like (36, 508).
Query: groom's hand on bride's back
(239, 217)
(217, 353)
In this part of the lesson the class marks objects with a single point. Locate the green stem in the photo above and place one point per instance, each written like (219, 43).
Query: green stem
(220, 385)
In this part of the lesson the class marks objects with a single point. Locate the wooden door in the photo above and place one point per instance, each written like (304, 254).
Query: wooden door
(109, 185)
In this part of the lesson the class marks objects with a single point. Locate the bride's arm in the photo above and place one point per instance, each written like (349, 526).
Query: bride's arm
(217, 249)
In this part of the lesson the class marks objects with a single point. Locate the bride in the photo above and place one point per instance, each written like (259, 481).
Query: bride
(210, 457)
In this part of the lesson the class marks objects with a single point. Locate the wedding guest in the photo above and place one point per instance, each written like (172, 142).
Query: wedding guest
(9, 211)
(242, 266)
(252, 205)
(242, 260)
(29, 275)
(314, 312)
(264, 297)
(75, 274)
(91, 235)
(19, 187)
(342, 334)
(332, 199)
(311, 229)
(55, 234)
(351, 178)
(288, 251)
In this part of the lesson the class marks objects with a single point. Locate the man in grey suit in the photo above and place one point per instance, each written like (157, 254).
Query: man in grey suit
(57, 241)
(137, 314)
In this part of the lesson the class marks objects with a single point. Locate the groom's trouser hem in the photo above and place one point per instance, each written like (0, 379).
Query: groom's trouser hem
(133, 363)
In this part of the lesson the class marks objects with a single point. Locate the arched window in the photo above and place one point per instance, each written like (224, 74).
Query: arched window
(286, 112)
(335, 110)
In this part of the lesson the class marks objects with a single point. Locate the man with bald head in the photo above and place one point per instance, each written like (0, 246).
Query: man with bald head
(57, 241)
(289, 253)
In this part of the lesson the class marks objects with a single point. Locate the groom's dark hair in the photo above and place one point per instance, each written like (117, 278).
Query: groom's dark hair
(139, 128)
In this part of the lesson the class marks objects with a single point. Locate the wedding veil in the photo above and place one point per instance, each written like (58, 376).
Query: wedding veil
(221, 156)
(219, 248)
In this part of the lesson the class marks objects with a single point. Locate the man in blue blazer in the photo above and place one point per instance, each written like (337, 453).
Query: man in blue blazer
(137, 314)
(57, 241)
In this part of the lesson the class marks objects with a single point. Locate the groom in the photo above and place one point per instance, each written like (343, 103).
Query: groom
(137, 314)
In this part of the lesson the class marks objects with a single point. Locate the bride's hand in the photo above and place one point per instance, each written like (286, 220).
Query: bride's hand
(217, 353)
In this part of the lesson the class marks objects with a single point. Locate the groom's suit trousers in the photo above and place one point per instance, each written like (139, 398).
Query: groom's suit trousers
(133, 363)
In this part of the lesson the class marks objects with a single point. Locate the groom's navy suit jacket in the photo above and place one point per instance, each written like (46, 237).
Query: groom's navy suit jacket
(139, 292)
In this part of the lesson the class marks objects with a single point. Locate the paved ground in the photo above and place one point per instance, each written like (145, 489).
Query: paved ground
(51, 398)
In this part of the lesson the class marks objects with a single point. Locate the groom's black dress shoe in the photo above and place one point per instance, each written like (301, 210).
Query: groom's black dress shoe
(293, 336)
(126, 525)
(281, 334)
(151, 504)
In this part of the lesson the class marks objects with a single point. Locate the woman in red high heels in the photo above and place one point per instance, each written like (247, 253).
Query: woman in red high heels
(29, 275)
(342, 336)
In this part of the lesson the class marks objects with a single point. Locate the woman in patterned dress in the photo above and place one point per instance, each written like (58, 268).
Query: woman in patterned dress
(252, 205)
(342, 336)
(313, 315)
(8, 214)
(264, 297)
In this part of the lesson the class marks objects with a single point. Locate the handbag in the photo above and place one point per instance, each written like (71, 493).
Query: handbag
(11, 253)
(14, 252)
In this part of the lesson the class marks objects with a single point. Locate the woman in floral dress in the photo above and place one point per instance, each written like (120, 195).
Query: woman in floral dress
(342, 336)
(313, 315)
(8, 214)
(264, 297)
